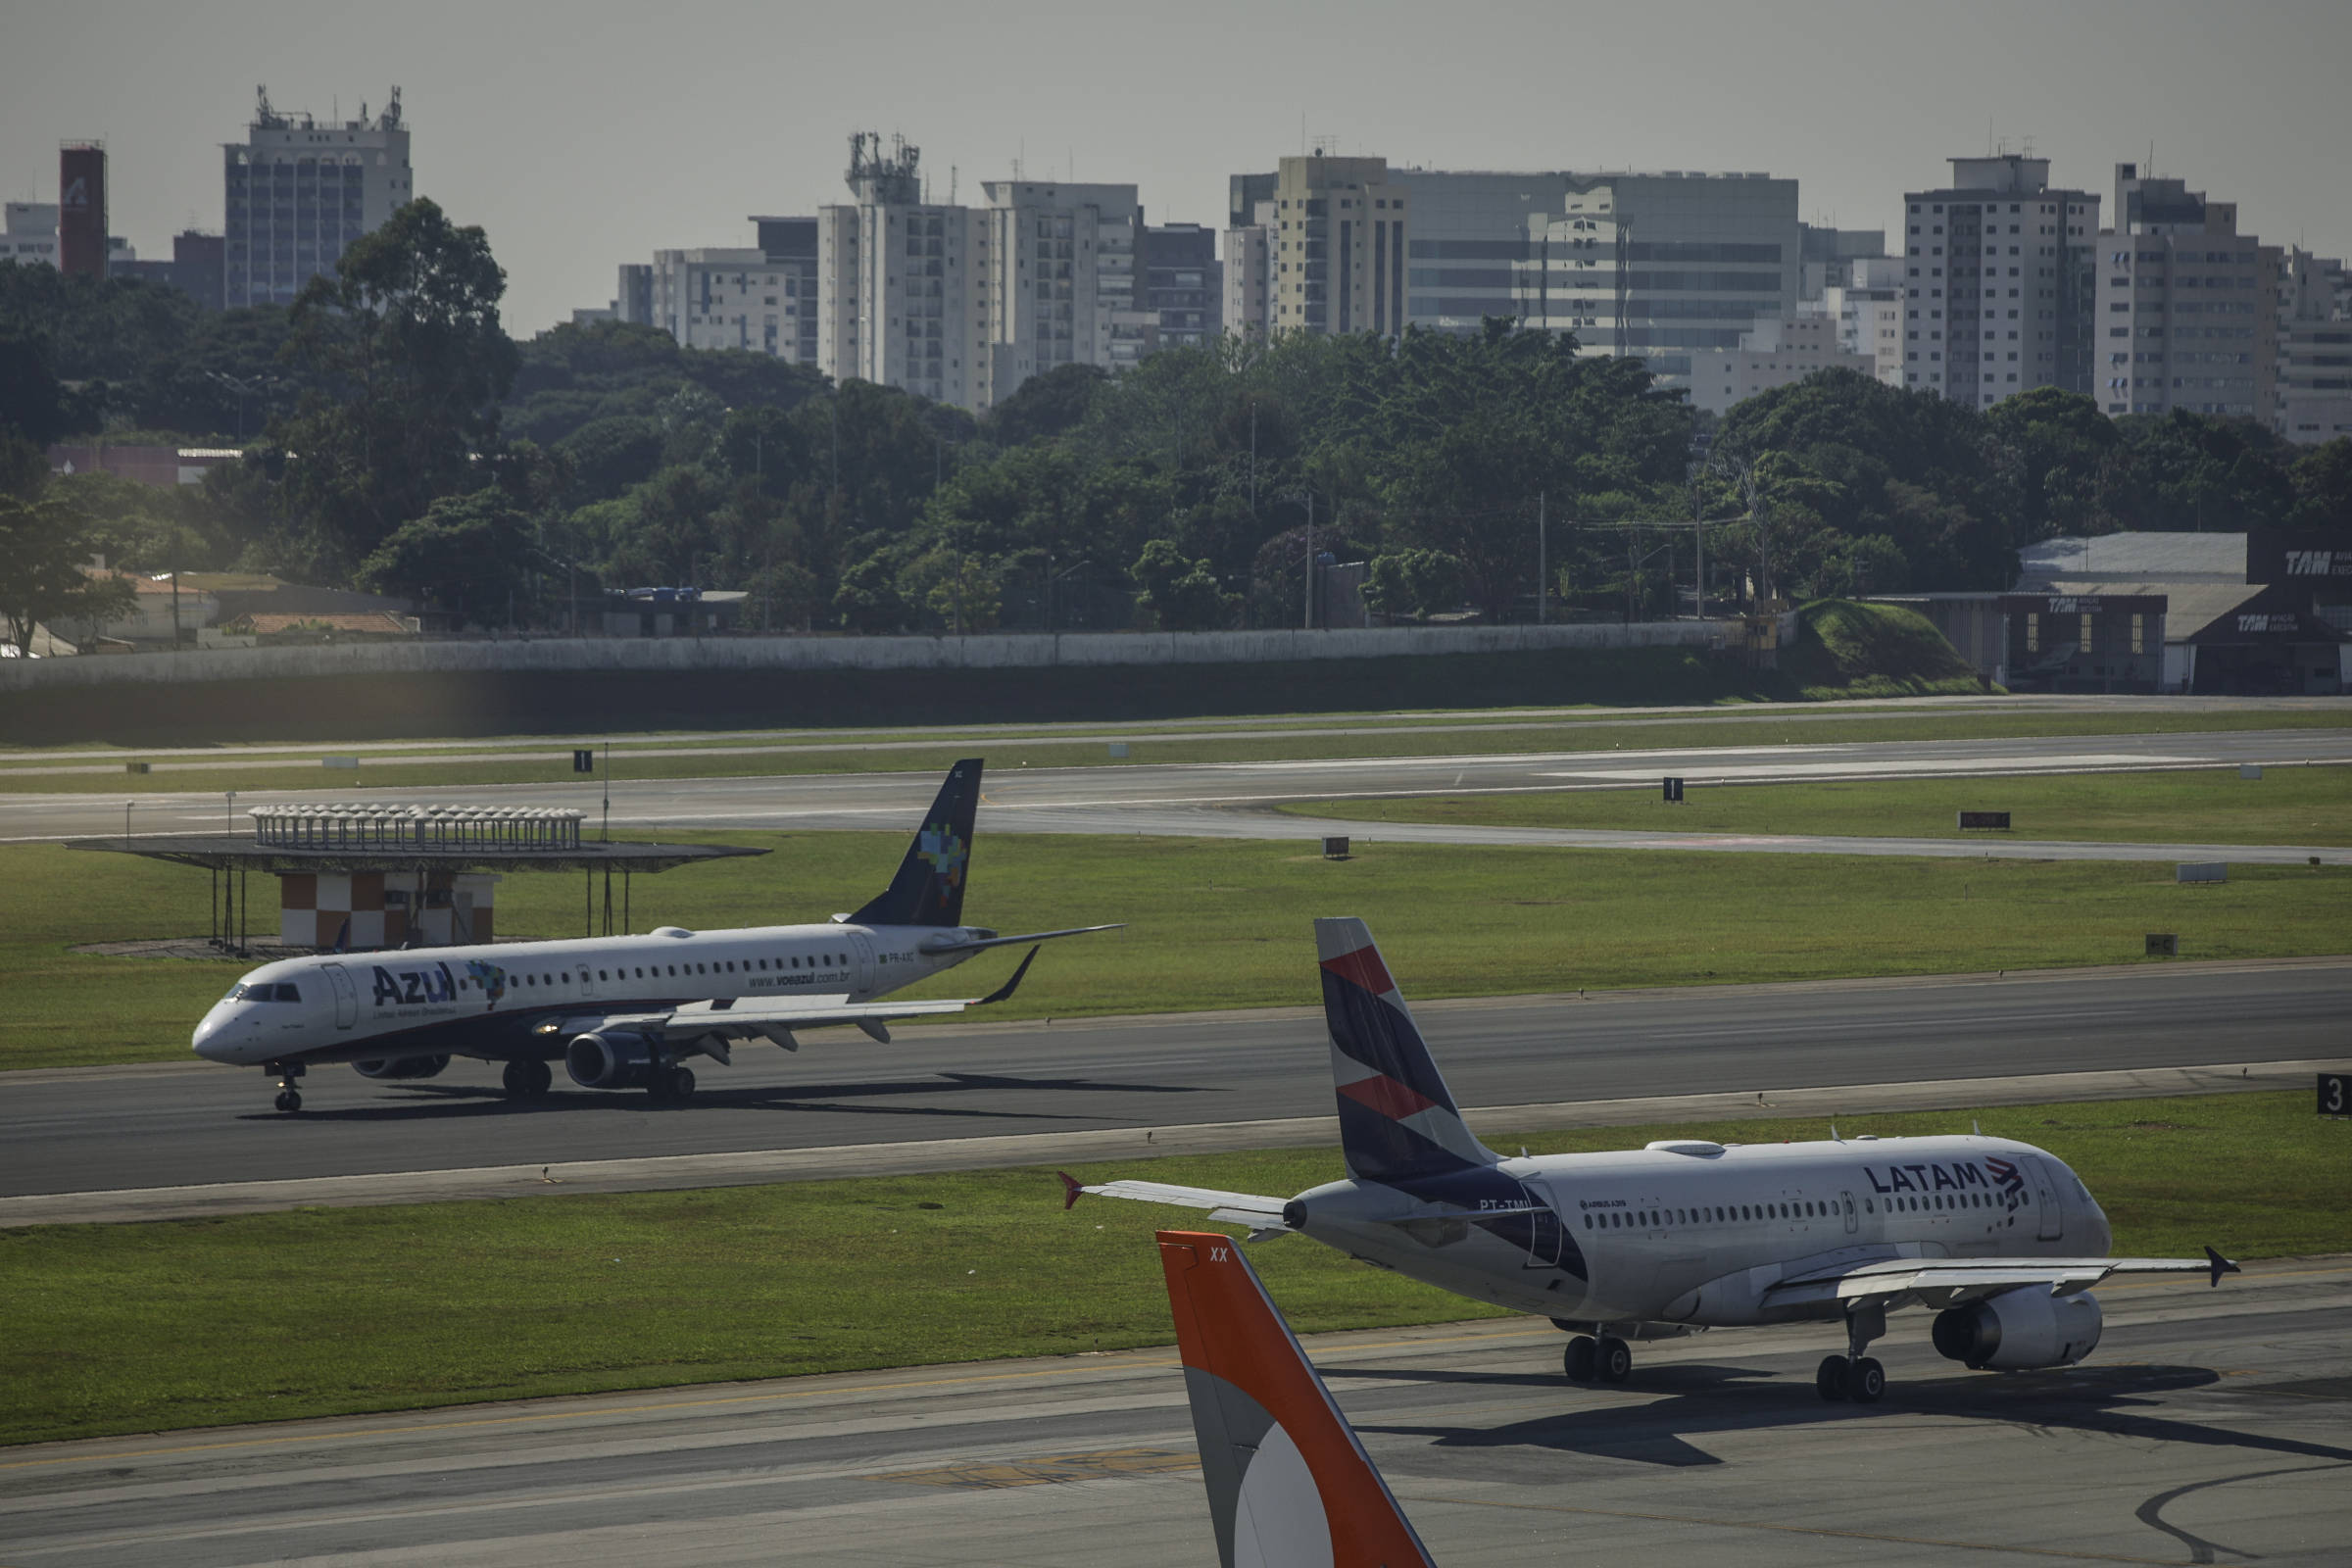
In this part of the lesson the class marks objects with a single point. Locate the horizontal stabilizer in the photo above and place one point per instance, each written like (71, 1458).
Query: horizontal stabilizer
(935, 945)
(1231, 1208)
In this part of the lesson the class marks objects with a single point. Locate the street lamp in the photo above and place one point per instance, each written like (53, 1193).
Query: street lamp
(1303, 494)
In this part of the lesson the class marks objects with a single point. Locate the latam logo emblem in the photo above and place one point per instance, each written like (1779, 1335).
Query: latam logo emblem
(1959, 1175)
(2318, 563)
(946, 853)
(2266, 622)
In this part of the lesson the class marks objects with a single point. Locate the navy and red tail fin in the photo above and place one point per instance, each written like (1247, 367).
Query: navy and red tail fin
(1398, 1120)
(928, 889)
(1289, 1483)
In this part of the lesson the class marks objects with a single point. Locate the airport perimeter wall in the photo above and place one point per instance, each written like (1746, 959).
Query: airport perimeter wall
(691, 655)
(596, 685)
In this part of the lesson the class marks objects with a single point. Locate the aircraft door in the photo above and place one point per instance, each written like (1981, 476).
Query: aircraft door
(587, 979)
(1845, 1201)
(2052, 1225)
(347, 999)
(865, 949)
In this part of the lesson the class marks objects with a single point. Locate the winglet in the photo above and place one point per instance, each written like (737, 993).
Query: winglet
(2217, 1266)
(1070, 1189)
(1004, 992)
(1289, 1483)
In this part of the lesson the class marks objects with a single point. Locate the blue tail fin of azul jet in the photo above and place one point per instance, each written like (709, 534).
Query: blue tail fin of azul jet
(929, 887)
(1398, 1120)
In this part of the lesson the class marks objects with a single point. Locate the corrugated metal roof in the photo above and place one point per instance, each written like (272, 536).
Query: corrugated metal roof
(2154, 558)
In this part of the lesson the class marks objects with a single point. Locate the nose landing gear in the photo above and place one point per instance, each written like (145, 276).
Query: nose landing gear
(289, 1097)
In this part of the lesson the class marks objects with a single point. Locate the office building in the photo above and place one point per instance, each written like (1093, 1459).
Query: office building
(298, 193)
(1869, 310)
(1828, 257)
(1998, 289)
(1659, 266)
(2314, 394)
(634, 302)
(194, 268)
(790, 246)
(758, 299)
(2187, 308)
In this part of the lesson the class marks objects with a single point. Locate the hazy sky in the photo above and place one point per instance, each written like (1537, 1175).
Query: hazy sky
(584, 135)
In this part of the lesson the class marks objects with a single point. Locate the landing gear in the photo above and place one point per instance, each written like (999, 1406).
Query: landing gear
(527, 1079)
(1855, 1376)
(289, 1100)
(671, 1083)
(1606, 1359)
(289, 1097)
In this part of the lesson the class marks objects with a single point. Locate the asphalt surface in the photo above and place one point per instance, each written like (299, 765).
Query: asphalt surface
(1236, 798)
(2208, 1426)
(101, 1129)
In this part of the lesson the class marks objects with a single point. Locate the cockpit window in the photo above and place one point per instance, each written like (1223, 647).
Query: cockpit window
(287, 993)
(263, 990)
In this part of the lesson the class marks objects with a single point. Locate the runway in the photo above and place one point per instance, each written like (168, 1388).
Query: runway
(2208, 1426)
(78, 1130)
(1236, 798)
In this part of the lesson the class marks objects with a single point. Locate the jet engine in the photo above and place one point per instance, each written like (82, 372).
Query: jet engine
(401, 1067)
(2020, 1328)
(612, 1060)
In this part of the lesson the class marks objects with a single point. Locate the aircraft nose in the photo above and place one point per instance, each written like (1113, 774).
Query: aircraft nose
(212, 1040)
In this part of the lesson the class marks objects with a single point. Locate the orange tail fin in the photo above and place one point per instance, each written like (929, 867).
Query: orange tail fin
(1287, 1482)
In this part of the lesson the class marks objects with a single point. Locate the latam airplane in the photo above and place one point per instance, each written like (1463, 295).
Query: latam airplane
(624, 1012)
(1290, 1484)
(2000, 1239)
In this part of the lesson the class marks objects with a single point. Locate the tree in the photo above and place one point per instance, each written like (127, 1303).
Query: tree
(1413, 582)
(1045, 405)
(45, 540)
(466, 552)
(2323, 479)
(406, 342)
(1180, 594)
(33, 406)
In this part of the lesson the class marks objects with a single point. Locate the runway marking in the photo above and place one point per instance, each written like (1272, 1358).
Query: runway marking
(1791, 1530)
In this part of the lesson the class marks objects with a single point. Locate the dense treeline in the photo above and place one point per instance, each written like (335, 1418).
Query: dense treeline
(398, 439)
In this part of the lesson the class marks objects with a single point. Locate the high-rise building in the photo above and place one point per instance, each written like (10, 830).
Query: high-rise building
(1869, 310)
(194, 268)
(1061, 279)
(1184, 297)
(1829, 256)
(81, 250)
(1248, 271)
(1339, 245)
(298, 193)
(2314, 397)
(790, 246)
(634, 301)
(1998, 287)
(903, 296)
(2187, 308)
(29, 236)
(717, 297)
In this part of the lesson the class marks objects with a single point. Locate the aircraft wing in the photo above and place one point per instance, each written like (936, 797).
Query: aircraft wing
(976, 944)
(777, 1017)
(1263, 1215)
(1967, 1278)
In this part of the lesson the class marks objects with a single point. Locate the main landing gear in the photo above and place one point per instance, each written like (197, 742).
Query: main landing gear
(1855, 1376)
(289, 1097)
(1608, 1360)
(670, 1083)
(527, 1078)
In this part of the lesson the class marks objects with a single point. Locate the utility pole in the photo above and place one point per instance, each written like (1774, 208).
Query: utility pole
(1253, 457)
(1310, 561)
(1542, 577)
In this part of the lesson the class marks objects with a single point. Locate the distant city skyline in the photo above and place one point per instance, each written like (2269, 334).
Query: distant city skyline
(583, 138)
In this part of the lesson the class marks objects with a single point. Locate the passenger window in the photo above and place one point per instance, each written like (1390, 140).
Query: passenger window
(1587, 1222)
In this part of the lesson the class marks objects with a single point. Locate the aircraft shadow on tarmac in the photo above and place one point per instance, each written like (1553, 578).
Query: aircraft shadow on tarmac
(431, 1101)
(1697, 1398)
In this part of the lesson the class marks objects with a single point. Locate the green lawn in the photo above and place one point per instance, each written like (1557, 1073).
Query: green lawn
(125, 1328)
(1310, 739)
(1222, 923)
(2213, 805)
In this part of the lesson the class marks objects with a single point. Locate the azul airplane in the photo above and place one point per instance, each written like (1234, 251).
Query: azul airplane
(2000, 1239)
(624, 1012)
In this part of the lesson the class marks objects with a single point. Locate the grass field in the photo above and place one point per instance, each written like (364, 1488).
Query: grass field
(1222, 923)
(2286, 806)
(1309, 739)
(124, 1328)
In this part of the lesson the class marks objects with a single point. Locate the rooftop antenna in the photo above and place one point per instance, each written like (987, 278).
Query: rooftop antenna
(951, 184)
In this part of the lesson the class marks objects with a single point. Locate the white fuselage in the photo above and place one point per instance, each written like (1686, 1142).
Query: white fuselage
(1653, 1235)
(489, 1001)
